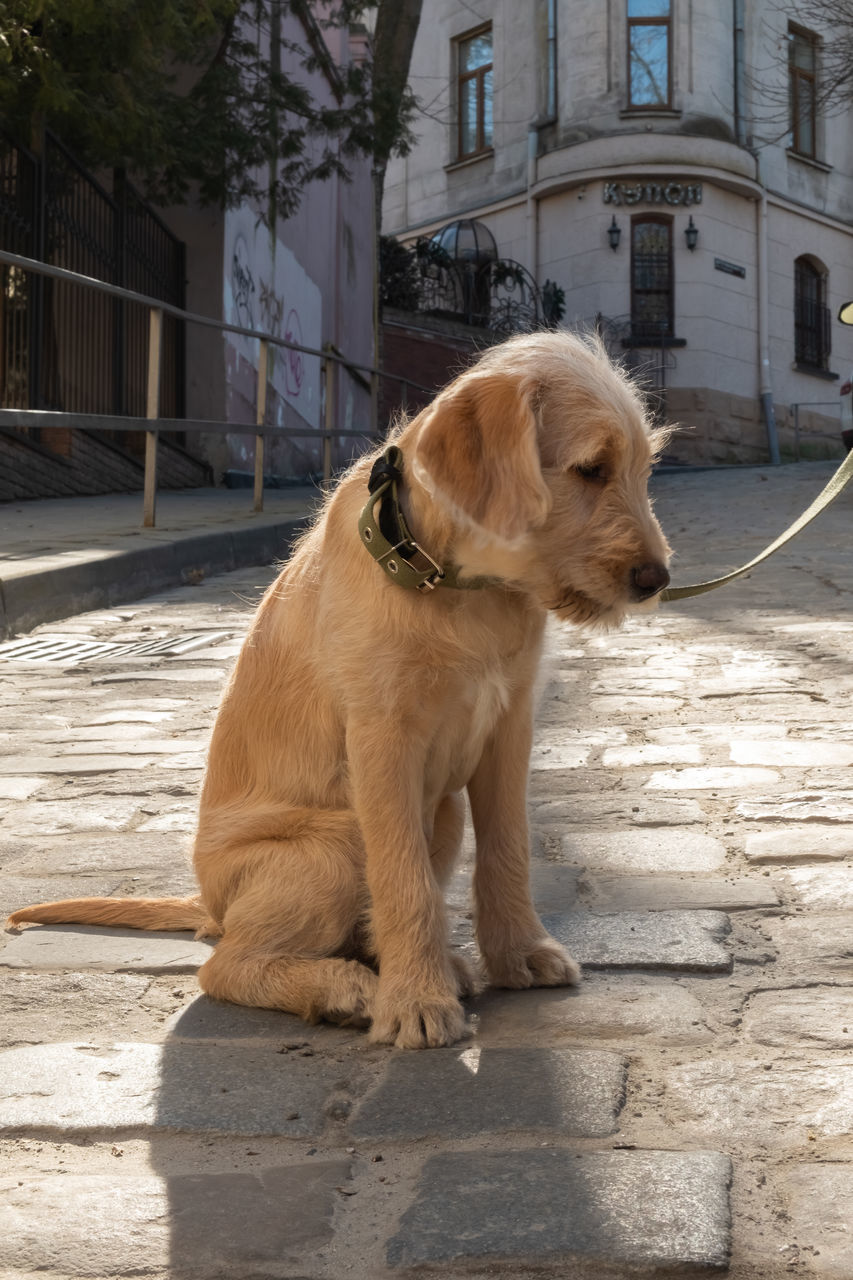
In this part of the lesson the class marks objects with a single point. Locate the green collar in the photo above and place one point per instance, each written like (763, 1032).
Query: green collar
(388, 539)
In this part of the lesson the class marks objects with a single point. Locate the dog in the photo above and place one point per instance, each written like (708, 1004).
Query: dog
(380, 682)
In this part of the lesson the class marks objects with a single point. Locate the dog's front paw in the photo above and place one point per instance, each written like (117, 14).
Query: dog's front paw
(544, 964)
(414, 1023)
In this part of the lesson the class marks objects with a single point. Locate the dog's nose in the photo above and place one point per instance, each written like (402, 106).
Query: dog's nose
(648, 579)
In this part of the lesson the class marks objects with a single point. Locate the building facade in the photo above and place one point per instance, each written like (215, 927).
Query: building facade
(670, 166)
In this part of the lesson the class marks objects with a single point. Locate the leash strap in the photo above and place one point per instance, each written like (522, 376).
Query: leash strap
(824, 498)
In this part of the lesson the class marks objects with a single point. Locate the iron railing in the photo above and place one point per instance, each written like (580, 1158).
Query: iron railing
(61, 346)
(154, 422)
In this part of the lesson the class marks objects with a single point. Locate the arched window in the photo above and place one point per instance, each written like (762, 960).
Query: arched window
(812, 320)
(652, 294)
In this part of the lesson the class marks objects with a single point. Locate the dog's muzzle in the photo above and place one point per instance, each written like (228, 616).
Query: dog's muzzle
(648, 579)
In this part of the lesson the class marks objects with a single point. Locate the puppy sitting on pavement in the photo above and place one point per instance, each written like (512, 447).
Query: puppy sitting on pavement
(390, 668)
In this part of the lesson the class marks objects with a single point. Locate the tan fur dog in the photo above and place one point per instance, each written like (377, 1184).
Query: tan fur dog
(359, 711)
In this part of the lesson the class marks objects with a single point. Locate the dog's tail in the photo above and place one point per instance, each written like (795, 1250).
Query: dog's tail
(132, 913)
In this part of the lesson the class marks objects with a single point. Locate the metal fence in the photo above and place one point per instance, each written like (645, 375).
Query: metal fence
(63, 347)
(155, 314)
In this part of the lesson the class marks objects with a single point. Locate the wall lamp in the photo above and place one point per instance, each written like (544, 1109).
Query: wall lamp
(691, 234)
(614, 231)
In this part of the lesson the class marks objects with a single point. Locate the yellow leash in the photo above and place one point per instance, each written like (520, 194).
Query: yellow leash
(823, 499)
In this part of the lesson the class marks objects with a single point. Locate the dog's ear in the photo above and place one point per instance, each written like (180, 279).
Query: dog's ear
(478, 447)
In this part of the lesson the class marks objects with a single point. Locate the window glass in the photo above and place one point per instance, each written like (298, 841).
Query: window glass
(474, 94)
(475, 52)
(651, 279)
(649, 66)
(648, 8)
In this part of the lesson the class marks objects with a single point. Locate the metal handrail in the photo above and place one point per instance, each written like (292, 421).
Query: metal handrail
(328, 355)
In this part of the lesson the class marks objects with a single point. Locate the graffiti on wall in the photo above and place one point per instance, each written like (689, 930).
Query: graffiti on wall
(267, 289)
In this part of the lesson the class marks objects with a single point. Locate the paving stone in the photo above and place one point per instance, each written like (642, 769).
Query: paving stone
(131, 852)
(632, 707)
(107, 813)
(214, 1020)
(178, 675)
(96, 1226)
(600, 1008)
(74, 764)
(690, 940)
(819, 1016)
(585, 809)
(81, 1088)
(651, 753)
(464, 1093)
(794, 844)
(671, 850)
(181, 744)
(112, 950)
(23, 891)
(818, 1198)
(714, 734)
(40, 1008)
(639, 1209)
(789, 753)
(830, 806)
(766, 1103)
(665, 893)
(20, 788)
(711, 778)
(827, 888)
(817, 945)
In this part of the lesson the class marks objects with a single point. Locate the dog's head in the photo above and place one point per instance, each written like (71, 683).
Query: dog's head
(540, 454)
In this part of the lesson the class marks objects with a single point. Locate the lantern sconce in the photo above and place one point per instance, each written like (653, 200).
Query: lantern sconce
(614, 231)
(691, 234)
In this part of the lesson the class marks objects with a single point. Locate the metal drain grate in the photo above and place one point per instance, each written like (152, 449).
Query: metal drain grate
(86, 648)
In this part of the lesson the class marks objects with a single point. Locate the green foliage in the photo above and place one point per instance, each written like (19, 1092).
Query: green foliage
(191, 95)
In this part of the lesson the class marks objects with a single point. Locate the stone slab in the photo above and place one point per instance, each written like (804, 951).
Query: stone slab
(600, 1008)
(19, 788)
(651, 753)
(799, 844)
(643, 1209)
(798, 806)
(112, 950)
(74, 764)
(818, 945)
(667, 893)
(463, 1093)
(133, 853)
(818, 1199)
(790, 753)
(827, 888)
(643, 850)
(42, 1007)
(711, 778)
(688, 940)
(80, 1088)
(583, 809)
(766, 1103)
(817, 1017)
(104, 813)
(96, 1226)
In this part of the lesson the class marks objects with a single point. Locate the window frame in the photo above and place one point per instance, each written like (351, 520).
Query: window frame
(478, 74)
(657, 21)
(796, 77)
(664, 338)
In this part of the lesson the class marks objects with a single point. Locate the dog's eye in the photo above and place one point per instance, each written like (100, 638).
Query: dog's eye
(594, 471)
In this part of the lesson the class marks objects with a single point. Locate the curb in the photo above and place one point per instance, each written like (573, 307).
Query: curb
(29, 599)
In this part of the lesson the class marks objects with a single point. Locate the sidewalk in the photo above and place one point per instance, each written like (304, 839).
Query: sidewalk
(60, 556)
(687, 1110)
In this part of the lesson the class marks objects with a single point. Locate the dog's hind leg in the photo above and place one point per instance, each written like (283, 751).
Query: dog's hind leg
(289, 931)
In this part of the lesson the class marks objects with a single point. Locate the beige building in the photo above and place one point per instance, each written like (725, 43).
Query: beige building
(669, 165)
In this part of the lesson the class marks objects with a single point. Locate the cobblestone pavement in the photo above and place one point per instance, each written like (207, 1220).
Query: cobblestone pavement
(689, 1108)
